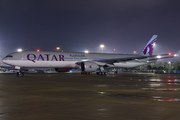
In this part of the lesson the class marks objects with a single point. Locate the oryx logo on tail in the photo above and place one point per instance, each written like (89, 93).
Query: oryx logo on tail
(148, 49)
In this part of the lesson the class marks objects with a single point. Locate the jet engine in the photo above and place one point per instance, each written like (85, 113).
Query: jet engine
(62, 69)
(89, 66)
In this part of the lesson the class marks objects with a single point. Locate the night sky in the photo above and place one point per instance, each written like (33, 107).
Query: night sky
(78, 25)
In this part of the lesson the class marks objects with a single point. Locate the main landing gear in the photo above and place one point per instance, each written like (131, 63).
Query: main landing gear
(101, 73)
(90, 73)
(86, 73)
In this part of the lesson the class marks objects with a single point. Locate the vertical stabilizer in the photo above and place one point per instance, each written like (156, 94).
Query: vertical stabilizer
(148, 49)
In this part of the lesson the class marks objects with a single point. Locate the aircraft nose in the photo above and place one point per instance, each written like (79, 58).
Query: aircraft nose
(4, 60)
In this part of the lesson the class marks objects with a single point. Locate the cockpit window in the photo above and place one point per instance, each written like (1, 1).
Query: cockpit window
(9, 56)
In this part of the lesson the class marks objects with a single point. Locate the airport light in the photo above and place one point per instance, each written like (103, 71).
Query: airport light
(158, 56)
(169, 66)
(169, 53)
(19, 50)
(102, 46)
(57, 48)
(86, 51)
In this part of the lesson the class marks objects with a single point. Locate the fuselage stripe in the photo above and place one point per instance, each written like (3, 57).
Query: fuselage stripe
(68, 58)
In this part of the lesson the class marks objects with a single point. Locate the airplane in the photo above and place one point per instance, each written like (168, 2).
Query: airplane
(87, 62)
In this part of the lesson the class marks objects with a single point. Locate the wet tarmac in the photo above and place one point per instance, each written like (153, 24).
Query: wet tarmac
(68, 96)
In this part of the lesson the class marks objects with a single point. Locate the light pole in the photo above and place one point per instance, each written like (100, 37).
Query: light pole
(169, 66)
(102, 46)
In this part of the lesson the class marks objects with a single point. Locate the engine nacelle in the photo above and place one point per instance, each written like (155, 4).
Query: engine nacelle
(89, 66)
(62, 69)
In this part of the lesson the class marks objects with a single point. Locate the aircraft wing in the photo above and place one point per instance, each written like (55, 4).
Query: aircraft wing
(152, 57)
(160, 58)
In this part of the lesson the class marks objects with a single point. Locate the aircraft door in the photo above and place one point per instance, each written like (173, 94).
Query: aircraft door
(24, 57)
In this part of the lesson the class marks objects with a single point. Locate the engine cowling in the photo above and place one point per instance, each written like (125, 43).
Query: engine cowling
(89, 66)
(63, 69)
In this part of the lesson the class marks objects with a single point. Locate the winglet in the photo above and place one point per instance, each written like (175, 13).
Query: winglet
(148, 49)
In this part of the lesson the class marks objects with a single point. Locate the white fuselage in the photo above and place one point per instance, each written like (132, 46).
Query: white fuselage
(66, 59)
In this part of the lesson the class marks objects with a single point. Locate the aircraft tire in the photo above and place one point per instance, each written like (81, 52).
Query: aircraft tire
(105, 73)
(86, 73)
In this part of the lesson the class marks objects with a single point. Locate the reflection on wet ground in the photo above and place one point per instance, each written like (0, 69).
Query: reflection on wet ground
(73, 96)
(158, 98)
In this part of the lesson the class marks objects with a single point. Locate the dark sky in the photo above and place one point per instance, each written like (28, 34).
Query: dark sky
(77, 25)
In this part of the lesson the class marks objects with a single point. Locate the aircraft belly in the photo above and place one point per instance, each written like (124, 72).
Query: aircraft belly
(128, 64)
(23, 63)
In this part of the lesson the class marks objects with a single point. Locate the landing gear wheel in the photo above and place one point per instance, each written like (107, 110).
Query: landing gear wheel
(105, 73)
(86, 73)
(101, 73)
(89, 73)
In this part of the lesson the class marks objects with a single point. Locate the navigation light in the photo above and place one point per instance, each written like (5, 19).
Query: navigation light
(169, 53)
